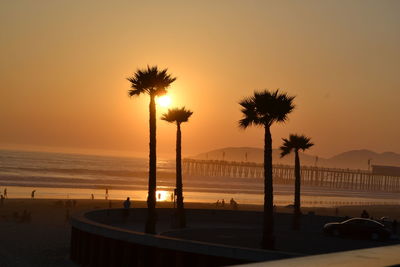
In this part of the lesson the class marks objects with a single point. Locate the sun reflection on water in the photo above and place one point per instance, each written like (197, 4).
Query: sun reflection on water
(162, 195)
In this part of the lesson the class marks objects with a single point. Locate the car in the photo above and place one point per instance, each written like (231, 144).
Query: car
(358, 228)
(386, 221)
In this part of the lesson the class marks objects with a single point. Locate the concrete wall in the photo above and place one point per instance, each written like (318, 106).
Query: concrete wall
(95, 243)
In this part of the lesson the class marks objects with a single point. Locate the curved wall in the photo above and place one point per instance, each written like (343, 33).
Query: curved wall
(96, 243)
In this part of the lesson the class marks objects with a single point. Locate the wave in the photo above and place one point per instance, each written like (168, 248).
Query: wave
(111, 173)
(97, 172)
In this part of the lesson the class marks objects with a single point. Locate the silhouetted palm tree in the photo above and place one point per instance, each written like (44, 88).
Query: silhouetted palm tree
(153, 82)
(296, 143)
(178, 115)
(263, 109)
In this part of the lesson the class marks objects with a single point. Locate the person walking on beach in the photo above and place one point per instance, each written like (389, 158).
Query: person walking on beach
(5, 192)
(233, 204)
(127, 205)
(33, 194)
(92, 196)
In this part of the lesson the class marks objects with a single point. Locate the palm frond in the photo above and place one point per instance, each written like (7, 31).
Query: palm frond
(295, 142)
(286, 147)
(150, 81)
(177, 115)
(265, 107)
(245, 122)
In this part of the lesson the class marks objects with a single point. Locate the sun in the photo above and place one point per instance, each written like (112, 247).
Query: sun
(164, 101)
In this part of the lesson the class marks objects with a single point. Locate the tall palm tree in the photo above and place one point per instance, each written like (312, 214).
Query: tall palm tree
(263, 109)
(296, 143)
(153, 82)
(178, 115)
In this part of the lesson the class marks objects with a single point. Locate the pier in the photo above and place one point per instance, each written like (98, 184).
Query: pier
(284, 174)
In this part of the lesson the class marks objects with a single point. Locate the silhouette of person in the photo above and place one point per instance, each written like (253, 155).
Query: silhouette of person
(5, 192)
(223, 203)
(159, 196)
(233, 204)
(364, 214)
(33, 194)
(106, 196)
(92, 196)
(127, 203)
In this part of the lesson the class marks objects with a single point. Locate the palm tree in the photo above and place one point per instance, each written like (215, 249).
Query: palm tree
(178, 115)
(153, 82)
(295, 143)
(263, 109)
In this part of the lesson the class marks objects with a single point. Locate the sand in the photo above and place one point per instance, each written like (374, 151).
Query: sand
(44, 240)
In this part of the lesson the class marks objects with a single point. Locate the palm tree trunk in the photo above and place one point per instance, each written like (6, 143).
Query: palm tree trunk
(150, 227)
(179, 185)
(268, 240)
(297, 212)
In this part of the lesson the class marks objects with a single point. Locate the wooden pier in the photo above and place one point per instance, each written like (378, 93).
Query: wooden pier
(284, 174)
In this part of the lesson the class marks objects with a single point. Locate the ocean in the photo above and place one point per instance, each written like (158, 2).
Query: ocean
(75, 176)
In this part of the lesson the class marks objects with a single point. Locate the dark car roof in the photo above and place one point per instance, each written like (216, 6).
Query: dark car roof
(362, 220)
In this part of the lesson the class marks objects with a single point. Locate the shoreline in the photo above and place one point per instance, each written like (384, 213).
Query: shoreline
(283, 195)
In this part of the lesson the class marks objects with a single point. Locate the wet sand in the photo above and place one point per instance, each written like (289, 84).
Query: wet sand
(44, 240)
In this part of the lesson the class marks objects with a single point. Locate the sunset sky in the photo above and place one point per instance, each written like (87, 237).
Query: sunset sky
(64, 66)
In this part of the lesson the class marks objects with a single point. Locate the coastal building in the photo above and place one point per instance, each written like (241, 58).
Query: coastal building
(386, 170)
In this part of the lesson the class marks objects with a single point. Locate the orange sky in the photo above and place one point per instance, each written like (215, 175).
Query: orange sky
(64, 63)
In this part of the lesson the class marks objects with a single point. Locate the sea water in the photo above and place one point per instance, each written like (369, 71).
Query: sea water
(75, 176)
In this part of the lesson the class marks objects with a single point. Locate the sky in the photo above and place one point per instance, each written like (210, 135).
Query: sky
(64, 66)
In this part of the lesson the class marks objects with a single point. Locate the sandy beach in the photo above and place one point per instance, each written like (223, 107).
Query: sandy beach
(43, 240)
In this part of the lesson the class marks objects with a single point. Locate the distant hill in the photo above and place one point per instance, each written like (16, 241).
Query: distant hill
(354, 159)
(358, 159)
(253, 155)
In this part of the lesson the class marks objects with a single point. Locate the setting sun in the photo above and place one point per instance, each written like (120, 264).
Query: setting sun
(164, 101)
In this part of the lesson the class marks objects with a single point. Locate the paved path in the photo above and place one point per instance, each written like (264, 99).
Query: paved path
(243, 228)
